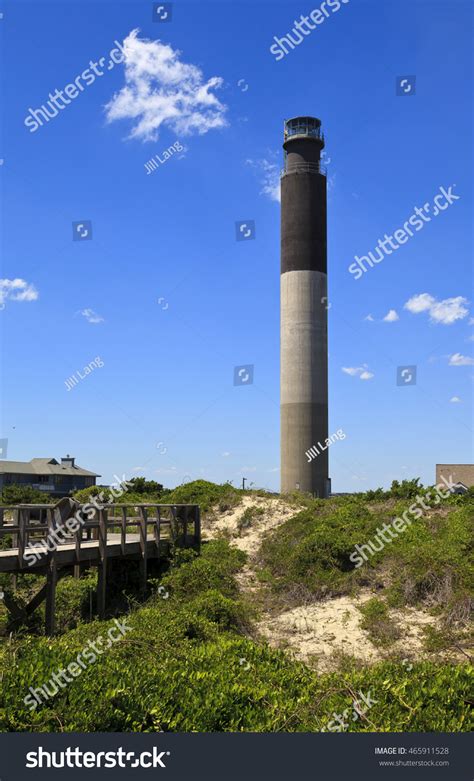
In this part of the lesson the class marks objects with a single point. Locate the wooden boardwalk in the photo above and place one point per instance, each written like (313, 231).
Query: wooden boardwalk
(54, 540)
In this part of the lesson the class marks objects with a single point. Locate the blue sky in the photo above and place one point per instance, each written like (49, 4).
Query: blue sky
(164, 404)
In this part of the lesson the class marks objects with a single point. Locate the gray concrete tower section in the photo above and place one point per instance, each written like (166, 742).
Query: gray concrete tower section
(304, 364)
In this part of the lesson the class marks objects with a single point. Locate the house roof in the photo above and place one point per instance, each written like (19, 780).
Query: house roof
(459, 473)
(43, 466)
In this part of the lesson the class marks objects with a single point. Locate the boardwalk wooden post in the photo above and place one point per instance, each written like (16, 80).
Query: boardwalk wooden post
(51, 581)
(185, 524)
(157, 529)
(197, 527)
(23, 516)
(102, 567)
(77, 551)
(16, 522)
(123, 530)
(143, 548)
(173, 524)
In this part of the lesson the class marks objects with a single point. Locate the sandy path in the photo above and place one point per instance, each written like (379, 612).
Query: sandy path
(320, 631)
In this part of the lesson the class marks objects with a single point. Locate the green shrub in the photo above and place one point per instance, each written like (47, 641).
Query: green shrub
(377, 622)
(206, 495)
(23, 494)
(312, 549)
(429, 563)
(248, 516)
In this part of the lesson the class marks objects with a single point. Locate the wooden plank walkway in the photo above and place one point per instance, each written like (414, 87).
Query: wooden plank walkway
(48, 539)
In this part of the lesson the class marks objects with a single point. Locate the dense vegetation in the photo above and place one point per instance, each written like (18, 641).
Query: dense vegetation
(188, 660)
(23, 494)
(430, 563)
(184, 665)
(200, 492)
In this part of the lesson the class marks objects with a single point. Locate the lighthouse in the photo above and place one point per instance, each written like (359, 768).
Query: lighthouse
(304, 307)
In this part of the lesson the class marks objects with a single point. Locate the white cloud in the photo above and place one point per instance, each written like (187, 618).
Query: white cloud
(420, 303)
(449, 310)
(446, 311)
(358, 371)
(455, 400)
(460, 360)
(17, 290)
(471, 321)
(91, 316)
(369, 318)
(226, 454)
(270, 177)
(275, 469)
(160, 89)
(391, 316)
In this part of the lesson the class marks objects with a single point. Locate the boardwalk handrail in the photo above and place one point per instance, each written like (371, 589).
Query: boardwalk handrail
(91, 541)
(178, 524)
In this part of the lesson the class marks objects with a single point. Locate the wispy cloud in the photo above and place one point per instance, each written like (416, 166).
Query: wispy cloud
(160, 89)
(445, 312)
(455, 400)
(17, 290)
(460, 360)
(269, 174)
(369, 318)
(358, 371)
(391, 316)
(91, 316)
